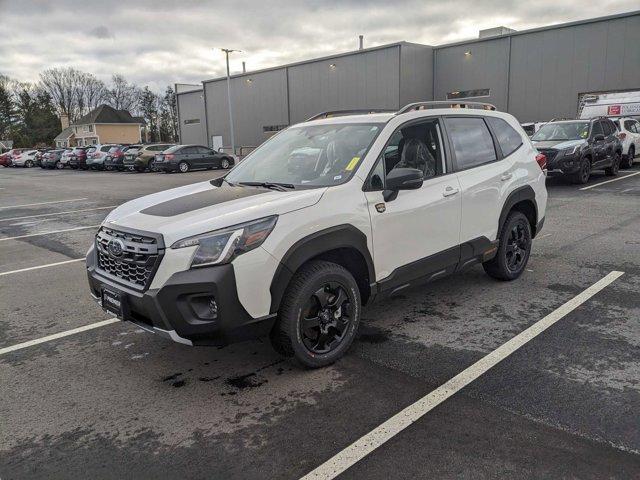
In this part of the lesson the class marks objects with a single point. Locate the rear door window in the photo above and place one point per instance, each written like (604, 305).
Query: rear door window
(597, 129)
(471, 140)
(508, 139)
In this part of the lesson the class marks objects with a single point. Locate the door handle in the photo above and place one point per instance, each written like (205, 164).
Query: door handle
(506, 176)
(450, 191)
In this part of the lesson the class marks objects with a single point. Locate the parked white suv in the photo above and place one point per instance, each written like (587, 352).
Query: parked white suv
(629, 135)
(320, 219)
(25, 159)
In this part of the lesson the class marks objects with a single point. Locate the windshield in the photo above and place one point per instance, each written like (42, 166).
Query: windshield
(309, 156)
(562, 131)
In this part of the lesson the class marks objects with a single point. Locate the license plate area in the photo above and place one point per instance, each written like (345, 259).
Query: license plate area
(112, 302)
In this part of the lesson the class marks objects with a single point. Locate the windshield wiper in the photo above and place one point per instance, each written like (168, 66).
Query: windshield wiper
(282, 187)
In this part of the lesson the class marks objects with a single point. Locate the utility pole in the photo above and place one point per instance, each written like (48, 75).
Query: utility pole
(227, 51)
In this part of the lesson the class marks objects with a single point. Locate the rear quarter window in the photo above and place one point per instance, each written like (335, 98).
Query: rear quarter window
(508, 139)
(471, 140)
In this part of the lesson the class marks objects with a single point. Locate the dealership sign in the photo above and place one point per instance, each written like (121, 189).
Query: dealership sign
(624, 109)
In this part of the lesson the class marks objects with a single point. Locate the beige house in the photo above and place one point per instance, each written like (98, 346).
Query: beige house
(105, 124)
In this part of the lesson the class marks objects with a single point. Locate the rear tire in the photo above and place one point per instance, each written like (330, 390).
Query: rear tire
(28, 164)
(628, 163)
(514, 248)
(183, 167)
(319, 315)
(583, 174)
(613, 170)
(59, 165)
(225, 164)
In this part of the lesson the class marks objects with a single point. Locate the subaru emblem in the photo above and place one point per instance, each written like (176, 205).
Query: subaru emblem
(115, 247)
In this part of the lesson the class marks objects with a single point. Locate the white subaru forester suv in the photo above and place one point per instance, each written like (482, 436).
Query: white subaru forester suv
(321, 219)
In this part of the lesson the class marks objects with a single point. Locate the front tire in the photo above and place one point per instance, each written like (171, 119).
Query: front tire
(28, 164)
(319, 315)
(613, 170)
(514, 248)
(183, 167)
(59, 165)
(628, 163)
(225, 164)
(583, 174)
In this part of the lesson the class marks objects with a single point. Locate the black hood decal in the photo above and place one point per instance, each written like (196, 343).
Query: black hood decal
(196, 201)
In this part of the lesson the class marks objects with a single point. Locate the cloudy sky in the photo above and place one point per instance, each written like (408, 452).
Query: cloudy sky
(160, 42)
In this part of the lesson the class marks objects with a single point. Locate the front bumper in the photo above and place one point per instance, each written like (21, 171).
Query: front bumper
(564, 164)
(181, 308)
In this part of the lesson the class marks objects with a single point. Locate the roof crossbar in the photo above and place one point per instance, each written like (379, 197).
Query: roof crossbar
(342, 113)
(445, 104)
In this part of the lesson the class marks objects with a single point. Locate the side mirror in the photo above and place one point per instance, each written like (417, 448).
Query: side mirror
(599, 138)
(402, 179)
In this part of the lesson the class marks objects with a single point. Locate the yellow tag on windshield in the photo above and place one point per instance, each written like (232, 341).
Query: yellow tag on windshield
(352, 164)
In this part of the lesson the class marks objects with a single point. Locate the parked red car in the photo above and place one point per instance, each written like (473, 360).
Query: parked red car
(6, 159)
(78, 158)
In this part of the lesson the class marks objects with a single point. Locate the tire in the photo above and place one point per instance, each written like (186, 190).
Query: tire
(28, 164)
(225, 164)
(583, 174)
(183, 167)
(59, 165)
(317, 284)
(613, 170)
(628, 162)
(510, 262)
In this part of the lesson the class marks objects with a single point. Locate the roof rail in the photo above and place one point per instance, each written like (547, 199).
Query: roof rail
(342, 113)
(565, 119)
(444, 104)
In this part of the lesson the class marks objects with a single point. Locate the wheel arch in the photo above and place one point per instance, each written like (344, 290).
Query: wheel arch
(342, 244)
(523, 199)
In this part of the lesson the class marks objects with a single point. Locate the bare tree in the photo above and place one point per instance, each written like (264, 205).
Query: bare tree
(61, 85)
(123, 95)
(89, 93)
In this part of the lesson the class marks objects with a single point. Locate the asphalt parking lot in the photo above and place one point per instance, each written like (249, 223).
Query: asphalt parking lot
(117, 402)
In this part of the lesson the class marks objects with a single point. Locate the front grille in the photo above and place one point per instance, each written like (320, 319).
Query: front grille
(139, 258)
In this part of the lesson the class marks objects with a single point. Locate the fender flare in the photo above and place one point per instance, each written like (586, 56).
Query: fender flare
(339, 236)
(520, 194)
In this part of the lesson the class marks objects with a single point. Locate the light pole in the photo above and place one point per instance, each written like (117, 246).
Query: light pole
(227, 51)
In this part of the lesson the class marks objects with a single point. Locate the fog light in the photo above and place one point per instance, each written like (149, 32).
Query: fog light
(205, 307)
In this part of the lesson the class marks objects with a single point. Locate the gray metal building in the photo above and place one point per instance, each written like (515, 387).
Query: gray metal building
(535, 74)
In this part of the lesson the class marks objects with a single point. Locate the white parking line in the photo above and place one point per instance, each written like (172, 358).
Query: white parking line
(41, 266)
(55, 336)
(43, 203)
(609, 181)
(396, 424)
(57, 213)
(48, 233)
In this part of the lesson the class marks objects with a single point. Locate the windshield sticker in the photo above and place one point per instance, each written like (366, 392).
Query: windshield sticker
(352, 164)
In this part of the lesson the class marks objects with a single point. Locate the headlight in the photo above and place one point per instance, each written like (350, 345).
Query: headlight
(222, 246)
(569, 151)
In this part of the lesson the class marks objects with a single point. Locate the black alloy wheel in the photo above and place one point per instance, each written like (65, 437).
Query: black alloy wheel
(518, 245)
(514, 248)
(326, 318)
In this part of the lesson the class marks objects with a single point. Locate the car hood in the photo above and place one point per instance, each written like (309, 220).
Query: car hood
(202, 207)
(558, 144)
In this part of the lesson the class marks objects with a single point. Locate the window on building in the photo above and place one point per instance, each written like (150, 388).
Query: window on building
(192, 121)
(507, 137)
(91, 128)
(480, 92)
(471, 140)
(273, 128)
